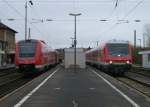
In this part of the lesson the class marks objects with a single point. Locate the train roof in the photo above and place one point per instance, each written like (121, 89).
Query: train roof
(31, 40)
(117, 41)
(109, 42)
(94, 49)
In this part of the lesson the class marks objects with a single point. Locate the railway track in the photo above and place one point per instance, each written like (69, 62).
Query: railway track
(10, 78)
(10, 82)
(141, 72)
(7, 72)
(137, 81)
(11, 86)
(140, 78)
(135, 85)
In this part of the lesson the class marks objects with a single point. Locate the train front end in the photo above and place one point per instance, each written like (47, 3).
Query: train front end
(25, 57)
(118, 57)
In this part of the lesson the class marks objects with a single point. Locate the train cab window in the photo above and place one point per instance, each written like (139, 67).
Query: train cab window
(118, 50)
(27, 49)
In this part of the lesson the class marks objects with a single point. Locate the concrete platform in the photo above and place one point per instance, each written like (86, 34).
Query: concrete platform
(64, 88)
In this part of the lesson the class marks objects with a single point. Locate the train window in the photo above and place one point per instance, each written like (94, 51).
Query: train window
(27, 50)
(118, 50)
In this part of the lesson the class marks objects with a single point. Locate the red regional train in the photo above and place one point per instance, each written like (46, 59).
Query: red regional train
(113, 57)
(33, 56)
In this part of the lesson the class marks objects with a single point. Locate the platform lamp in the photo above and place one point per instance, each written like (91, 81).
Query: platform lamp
(75, 40)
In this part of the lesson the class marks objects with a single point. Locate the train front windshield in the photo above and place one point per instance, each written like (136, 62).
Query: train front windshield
(118, 50)
(27, 49)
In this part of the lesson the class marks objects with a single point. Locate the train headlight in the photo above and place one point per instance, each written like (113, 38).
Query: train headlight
(128, 62)
(110, 62)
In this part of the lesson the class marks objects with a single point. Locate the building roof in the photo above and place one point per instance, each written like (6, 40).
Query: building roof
(72, 50)
(3, 26)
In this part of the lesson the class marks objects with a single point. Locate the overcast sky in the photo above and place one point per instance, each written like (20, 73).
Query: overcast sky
(58, 33)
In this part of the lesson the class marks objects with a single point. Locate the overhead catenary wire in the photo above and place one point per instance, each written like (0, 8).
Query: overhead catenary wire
(130, 11)
(36, 13)
(112, 27)
(127, 14)
(77, 1)
(116, 4)
(12, 7)
(113, 10)
(9, 5)
(5, 1)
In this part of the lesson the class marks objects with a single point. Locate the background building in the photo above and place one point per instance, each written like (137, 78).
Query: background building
(7, 44)
(69, 58)
(145, 58)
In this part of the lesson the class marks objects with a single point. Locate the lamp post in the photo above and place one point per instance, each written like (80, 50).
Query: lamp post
(134, 39)
(75, 40)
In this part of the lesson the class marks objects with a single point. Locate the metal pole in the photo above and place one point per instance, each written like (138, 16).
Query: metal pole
(29, 33)
(75, 46)
(97, 43)
(140, 44)
(26, 18)
(75, 40)
(143, 41)
(134, 39)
